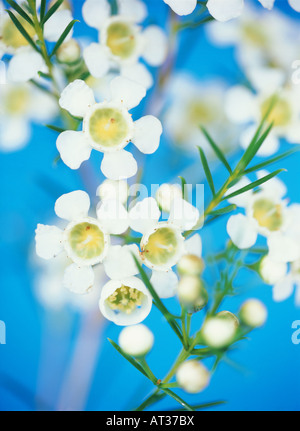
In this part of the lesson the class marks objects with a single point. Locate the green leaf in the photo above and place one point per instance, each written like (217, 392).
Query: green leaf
(20, 11)
(158, 301)
(201, 406)
(42, 10)
(253, 185)
(63, 36)
(223, 211)
(271, 161)
(216, 149)
(183, 188)
(178, 399)
(55, 128)
(51, 11)
(207, 171)
(22, 30)
(128, 358)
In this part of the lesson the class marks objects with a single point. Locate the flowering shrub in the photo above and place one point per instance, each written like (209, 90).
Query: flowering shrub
(131, 252)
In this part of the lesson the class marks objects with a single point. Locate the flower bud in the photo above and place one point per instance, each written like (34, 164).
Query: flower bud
(190, 264)
(111, 189)
(166, 194)
(218, 332)
(192, 293)
(271, 271)
(192, 376)
(253, 313)
(227, 315)
(136, 340)
(69, 52)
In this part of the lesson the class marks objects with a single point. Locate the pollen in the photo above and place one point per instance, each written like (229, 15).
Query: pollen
(268, 214)
(161, 246)
(86, 240)
(108, 127)
(125, 299)
(121, 39)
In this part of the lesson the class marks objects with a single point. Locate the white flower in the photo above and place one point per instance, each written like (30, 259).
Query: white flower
(85, 240)
(122, 42)
(191, 104)
(111, 189)
(125, 302)
(218, 332)
(261, 39)
(107, 127)
(26, 62)
(224, 10)
(69, 52)
(21, 105)
(136, 340)
(192, 376)
(166, 194)
(247, 108)
(182, 7)
(267, 214)
(253, 313)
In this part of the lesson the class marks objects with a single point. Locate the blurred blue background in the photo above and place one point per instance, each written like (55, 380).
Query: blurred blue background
(62, 360)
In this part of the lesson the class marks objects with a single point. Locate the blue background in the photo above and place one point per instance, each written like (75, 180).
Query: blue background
(37, 365)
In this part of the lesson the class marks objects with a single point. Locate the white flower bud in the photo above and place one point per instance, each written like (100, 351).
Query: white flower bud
(191, 292)
(190, 264)
(69, 52)
(218, 332)
(136, 340)
(111, 189)
(166, 194)
(227, 315)
(192, 376)
(253, 313)
(272, 271)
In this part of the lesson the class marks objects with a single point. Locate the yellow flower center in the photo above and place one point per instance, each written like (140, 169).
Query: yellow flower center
(254, 34)
(16, 100)
(121, 39)
(86, 240)
(200, 113)
(125, 299)
(267, 214)
(281, 113)
(161, 246)
(11, 36)
(108, 127)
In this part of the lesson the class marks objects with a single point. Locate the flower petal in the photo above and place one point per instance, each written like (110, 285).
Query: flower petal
(144, 215)
(139, 73)
(76, 98)
(283, 289)
(156, 45)
(240, 104)
(119, 262)
(183, 214)
(113, 216)
(283, 248)
(25, 65)
(242, 199)
(193, 245)
(242, 233)
(225, 10)
(96, 12)
(14, 133)
(268, 4)
(78, 279)
(136, 10)
(128, 92)
(74, 148)
(182, 7)
(271, 270)
(96, 59)
(72, 206)
(146, 135)
(164, 283)
(56, 24)
(295, 4)
(48, 241)
(119, 165)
